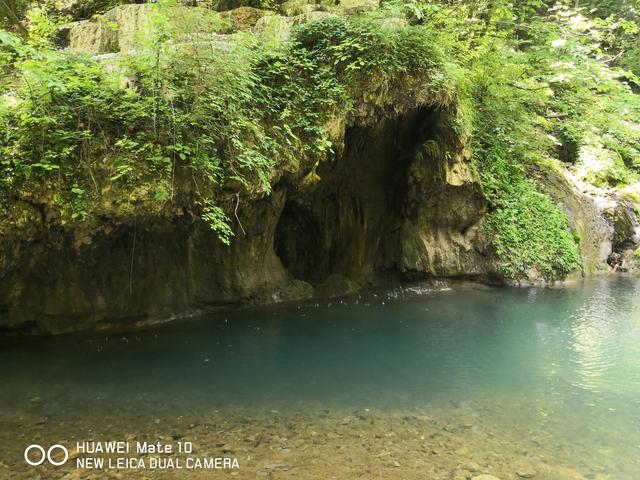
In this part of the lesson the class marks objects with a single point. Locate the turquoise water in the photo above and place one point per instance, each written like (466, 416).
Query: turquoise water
(579, 343)
(563, 360)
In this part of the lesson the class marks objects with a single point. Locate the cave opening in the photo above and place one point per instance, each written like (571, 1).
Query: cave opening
(347, 220)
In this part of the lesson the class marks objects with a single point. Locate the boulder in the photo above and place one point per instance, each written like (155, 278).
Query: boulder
(626, 226)
(273, 28)
(337, 285)
(116, 31)
(525, 470)
(244, 18)
(584, 212)
(278, 28)
(292, 8)
(629, 261)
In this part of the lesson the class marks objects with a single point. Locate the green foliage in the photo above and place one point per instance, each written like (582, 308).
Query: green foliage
(42, 27)
(217, 221)
(538, 86)
(193, 118)
(188, 115)
(364, 46)
(78, 202)
(618, 22)
(529, 231)
(593, 109)
(56, 114)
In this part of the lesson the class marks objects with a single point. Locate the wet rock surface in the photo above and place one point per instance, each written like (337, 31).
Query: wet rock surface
(117, 30)
(325, 237)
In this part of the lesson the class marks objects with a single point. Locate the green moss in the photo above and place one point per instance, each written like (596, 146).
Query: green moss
(600, 163)
(576, 237)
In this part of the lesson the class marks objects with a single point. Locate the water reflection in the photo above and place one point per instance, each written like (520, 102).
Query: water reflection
(604, 337)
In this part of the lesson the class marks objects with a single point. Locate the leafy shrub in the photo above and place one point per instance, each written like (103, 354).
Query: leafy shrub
(529, 231)
(357, 47)
(188, 114)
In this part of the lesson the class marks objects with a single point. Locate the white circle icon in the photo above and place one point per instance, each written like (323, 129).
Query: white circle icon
(60, 447)
(45, 455)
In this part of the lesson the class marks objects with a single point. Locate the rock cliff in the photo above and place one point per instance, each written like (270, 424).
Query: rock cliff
(398, 199)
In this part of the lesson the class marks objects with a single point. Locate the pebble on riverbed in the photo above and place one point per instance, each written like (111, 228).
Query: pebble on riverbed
(525, 471)
(407, 444)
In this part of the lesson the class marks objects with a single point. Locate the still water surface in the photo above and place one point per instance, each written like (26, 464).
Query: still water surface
(563, 361)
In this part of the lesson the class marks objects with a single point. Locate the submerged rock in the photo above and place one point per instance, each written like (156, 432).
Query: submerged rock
(525, 471)
(561, 472)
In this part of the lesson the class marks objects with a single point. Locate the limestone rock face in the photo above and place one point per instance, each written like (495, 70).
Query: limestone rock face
(274, 28)
(115, 31)
(401, 197)
(244, 18)
(605, 222)
(625, 224)
(124, 27)
(445, 211)
(151, 270)
(398, 199)
(585, 219)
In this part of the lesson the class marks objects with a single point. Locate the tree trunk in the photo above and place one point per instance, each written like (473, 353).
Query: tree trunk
(11, 14)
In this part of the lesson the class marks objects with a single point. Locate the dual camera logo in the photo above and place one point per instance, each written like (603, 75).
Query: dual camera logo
(36, 455)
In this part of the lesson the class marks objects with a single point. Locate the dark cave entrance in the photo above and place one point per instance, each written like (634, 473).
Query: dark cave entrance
(347, 221)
